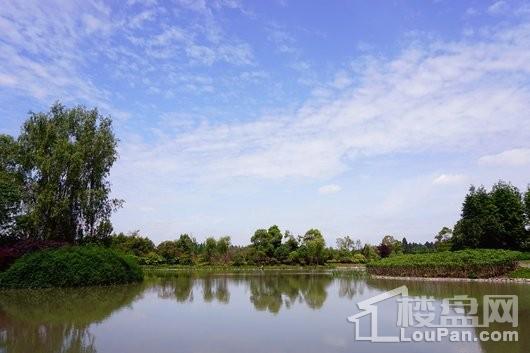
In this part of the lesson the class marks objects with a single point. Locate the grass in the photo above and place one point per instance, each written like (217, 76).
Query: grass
(521, 272)
(479, 263)
(204, 269)
(72, 266)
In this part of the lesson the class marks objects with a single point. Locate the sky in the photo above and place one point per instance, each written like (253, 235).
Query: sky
(359, 118)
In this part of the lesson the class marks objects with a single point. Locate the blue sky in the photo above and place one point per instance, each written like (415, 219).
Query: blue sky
(359, 118)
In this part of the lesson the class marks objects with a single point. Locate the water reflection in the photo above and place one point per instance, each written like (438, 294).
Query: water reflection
(57, 320)
(176, 312)
(441, 290)
(182, 286)
(272, 292)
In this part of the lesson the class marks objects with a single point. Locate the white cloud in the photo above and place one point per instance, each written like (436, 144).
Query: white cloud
(449, 179)
(441, 96)
(498, 7)
(51, 33)
(329, 189)
(511, 158)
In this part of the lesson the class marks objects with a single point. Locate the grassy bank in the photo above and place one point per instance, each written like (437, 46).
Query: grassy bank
(480, 263)
(522, 272)
(168, 269)
(72, 266)
(200, 271)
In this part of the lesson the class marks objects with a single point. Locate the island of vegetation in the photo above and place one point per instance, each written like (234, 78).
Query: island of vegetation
(54, 203)
(55, 228)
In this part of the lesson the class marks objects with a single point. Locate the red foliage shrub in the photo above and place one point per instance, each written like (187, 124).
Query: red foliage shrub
(9, 253)
(384, 250)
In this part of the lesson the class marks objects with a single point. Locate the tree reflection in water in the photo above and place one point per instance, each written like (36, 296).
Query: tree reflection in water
(181, 287)
(270, 292)
(57, 320)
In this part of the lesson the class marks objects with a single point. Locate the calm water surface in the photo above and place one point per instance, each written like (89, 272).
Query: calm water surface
(262, 312)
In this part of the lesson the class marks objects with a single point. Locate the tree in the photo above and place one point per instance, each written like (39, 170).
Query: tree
(444, 234)
(479, 222)
(314, 244)
(133, 243)
(275, 236)
(443, 239)
(493, 219)
(511, 217)
(186, 245)
(10, 186)
(370, 252)
(345, 248)
(210, 248)
(267, 241)
(345, 244)
(526, 244)
(223, 244)
(527, 205)
(168, 250)
(290, 241)
(65, 156)
(405, 245)
(389, 245)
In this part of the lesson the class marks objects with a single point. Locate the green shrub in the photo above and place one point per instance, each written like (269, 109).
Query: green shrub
(525, 256)
(152, 258)
(480, 263)
(74, 266)
(522, 272)
(359, 259)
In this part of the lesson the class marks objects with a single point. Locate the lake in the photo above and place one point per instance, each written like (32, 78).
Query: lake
(255, 312)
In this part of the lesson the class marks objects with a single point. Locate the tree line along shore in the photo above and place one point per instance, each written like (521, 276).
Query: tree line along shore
(56, 230)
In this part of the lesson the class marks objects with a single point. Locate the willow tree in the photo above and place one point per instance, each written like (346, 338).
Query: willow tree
(65, 157)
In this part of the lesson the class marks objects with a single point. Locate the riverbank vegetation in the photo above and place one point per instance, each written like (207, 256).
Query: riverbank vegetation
(54, 192)
(483, 263)
(71, 266)
(521, 272)
(54, 200)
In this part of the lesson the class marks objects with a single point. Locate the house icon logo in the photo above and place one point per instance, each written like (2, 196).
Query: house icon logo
(454, 318)
(369, 308)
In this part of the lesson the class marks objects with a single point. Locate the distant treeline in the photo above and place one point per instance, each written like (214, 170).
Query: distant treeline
(498, 219)
(54, 190)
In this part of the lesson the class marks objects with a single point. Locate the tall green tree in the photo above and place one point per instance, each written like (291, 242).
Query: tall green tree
(65, 157)
(267, 241)
(223, 244)
(210, 248)
(313, 245)
(187, 245)
(527, 205)
(10, 185)
(526, 243)
(479, 220)
(169, 251)
(511, 216)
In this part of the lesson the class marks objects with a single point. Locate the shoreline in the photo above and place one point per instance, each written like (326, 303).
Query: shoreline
(456, 279)
(323, 269)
